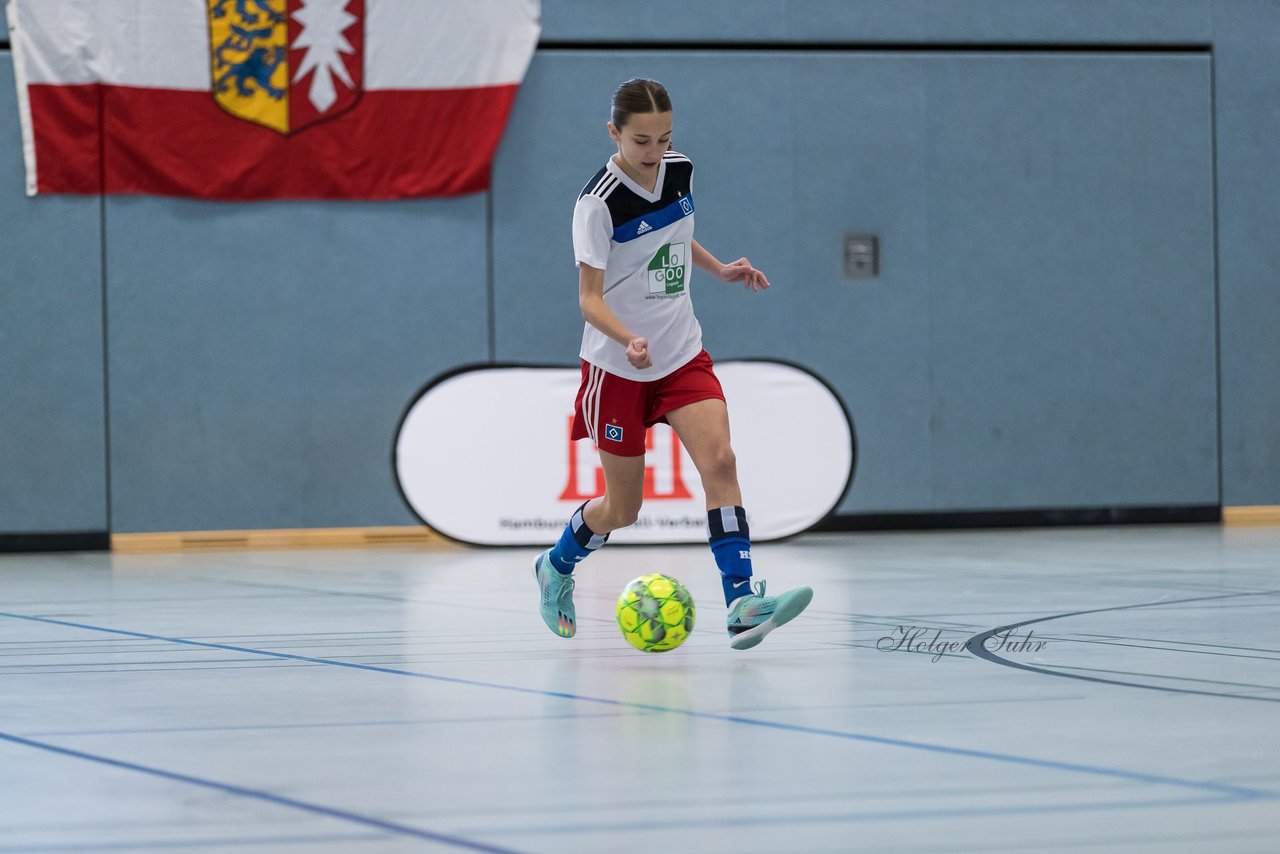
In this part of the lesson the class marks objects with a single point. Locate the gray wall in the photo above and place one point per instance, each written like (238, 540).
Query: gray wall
(261, 354)
(52, 428)
(1247, 64)
(1047, 330)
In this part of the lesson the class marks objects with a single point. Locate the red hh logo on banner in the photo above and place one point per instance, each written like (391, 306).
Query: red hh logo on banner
(663, 467)
(518, 482)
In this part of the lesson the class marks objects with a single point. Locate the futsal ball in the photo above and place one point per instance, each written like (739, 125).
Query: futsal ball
(655, 613)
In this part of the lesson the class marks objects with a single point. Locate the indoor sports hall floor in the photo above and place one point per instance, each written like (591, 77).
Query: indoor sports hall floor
(399, 699)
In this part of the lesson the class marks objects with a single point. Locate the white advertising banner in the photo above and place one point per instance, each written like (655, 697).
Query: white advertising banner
(484, 456)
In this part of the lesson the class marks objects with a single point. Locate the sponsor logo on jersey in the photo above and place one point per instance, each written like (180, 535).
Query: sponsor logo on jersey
(643, 227)
(667, 270)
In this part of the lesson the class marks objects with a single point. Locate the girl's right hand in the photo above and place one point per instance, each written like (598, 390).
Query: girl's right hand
(638, 353)
(742, 271)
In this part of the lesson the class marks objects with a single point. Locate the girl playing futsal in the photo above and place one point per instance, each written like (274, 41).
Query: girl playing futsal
(643, 362)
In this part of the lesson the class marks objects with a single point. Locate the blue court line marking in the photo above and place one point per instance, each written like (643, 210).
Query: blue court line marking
(260, 795)
(171, 845)
(762, 819)
(1238, 792)
(104, 664)
(326, 725)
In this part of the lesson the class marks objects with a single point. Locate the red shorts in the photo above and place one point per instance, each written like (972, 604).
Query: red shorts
(615, 412)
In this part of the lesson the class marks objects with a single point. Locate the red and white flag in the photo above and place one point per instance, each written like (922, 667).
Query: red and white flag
(267, 99)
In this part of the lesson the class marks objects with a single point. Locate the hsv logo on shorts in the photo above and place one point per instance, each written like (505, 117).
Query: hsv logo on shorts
(613, 432)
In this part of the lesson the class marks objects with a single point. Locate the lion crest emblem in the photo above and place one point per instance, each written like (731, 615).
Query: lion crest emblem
(286, 64)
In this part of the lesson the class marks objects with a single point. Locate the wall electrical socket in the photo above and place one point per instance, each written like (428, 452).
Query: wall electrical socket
(861, 256)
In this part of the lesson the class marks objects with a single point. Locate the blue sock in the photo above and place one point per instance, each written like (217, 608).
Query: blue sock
(575, 543)
(731, 545)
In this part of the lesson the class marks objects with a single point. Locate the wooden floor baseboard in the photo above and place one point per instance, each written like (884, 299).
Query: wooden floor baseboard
(288, 538)
(1258, 515)
(337, 538)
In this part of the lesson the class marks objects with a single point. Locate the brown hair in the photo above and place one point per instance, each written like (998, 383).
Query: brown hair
(639, 96)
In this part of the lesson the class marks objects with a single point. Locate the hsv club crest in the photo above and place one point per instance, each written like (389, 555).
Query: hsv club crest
(286, 64)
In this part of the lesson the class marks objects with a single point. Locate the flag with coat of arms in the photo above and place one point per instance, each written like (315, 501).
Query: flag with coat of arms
(267, 99)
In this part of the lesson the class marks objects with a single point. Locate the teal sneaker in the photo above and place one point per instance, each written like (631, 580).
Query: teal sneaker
(753, 616)
(557, 596)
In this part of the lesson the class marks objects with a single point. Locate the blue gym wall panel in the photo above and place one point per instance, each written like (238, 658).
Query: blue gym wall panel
(233, 407)
(1247, 68)
(772, 182)
(882, 21)
(1071, 267)
(1069, 21)
(261, 355)
(1049, 349)
(52, 445)
(672, 21)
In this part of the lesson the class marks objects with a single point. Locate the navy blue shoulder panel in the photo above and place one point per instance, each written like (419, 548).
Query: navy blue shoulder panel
(654, 220)
(595, 180)
(626, 207)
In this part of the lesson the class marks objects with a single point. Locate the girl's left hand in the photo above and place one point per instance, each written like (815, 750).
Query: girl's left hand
(742, 271)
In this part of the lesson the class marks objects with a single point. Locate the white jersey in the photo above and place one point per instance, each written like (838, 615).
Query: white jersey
(644, 243)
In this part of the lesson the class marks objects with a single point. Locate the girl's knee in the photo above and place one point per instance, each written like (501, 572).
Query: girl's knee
(628, 515)
(722, 464)
(621, 514)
